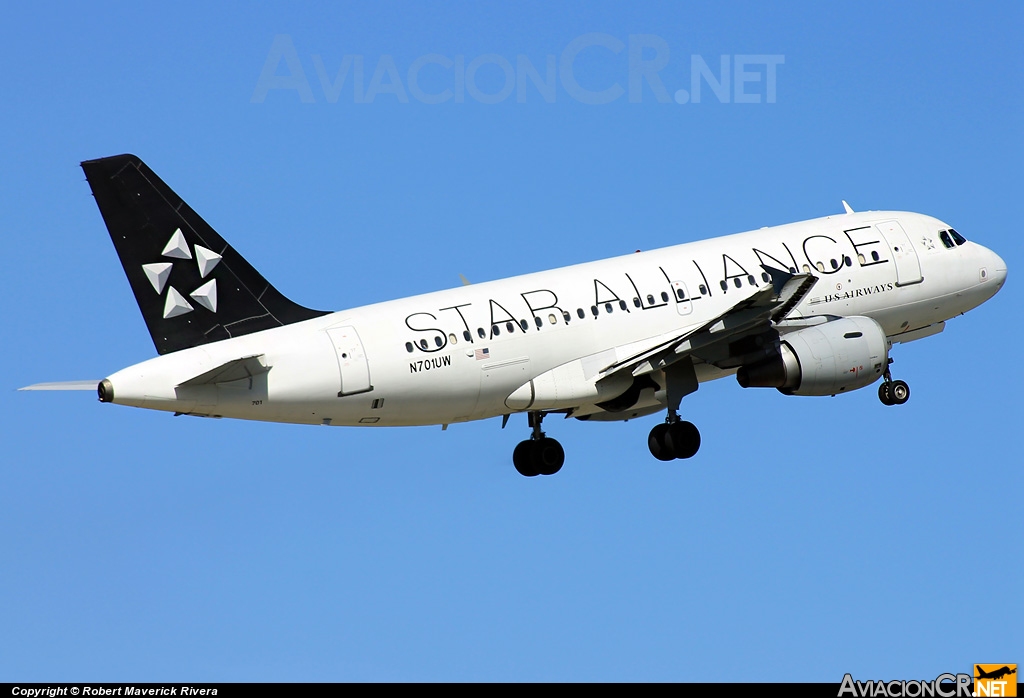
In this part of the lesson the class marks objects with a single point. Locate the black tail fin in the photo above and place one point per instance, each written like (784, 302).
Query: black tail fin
(192, 287)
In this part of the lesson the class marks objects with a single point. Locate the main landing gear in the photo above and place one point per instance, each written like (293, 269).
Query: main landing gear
(538, 455)
(892, 392)
(676, 438)
(673, 439)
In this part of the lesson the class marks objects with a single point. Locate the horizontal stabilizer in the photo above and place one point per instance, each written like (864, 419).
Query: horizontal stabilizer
(235, 370)
(64, 385)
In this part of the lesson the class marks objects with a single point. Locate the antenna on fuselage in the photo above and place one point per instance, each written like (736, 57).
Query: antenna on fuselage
(847, 207)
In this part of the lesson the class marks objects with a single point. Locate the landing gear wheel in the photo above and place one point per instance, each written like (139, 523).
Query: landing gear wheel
(674, 440)
(658, 443)
(683, 439)
(538, 455)
(899, 392)
(885, 393)
(523, 459)
(548, 456)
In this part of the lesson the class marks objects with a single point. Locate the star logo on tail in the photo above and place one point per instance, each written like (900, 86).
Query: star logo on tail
(158, 273)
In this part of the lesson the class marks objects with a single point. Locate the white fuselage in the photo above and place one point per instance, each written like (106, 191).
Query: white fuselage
(457, 355)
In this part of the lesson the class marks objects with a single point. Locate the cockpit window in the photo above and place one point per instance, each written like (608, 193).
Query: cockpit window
(957, 237)
(946, 241)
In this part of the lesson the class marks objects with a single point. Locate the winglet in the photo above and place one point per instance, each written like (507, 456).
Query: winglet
(847, 207)
(795, 291)
(465, 281)
(779, 278)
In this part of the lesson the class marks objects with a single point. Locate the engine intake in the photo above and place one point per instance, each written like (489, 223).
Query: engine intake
(835, 357)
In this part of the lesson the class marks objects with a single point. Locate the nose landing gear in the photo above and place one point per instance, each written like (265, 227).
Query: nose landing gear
(538, 455)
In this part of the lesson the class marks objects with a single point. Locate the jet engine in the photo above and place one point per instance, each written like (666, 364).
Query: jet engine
(826, 359)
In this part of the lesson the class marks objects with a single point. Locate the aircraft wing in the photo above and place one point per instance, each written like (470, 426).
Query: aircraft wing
(752, 315)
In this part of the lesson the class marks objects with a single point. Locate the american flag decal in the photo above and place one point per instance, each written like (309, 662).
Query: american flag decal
(483, 354)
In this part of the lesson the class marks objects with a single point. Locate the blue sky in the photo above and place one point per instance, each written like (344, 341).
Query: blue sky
(809, 538)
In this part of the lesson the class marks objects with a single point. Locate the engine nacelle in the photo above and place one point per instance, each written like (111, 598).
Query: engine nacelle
(834, 357)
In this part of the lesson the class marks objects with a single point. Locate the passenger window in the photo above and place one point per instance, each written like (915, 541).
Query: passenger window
(423, 344)
(680, 295)
(834, 263)
(764, 277)
(703, 290)
(452, 339)
(495, 331)
(539, 322)
(510, 326)
(481, 333)
(467, 336)
(725, 286)
(848, 261)
(636, 302)
(408, 347)
(593, 309)
(736, 282)
(622, 305)
(821, 267)
(438, 341)
(874, 256)
(566, 316)
(650, 299)
(750, 280)
(579, 311)
(607, 307)
(664, 297)
(552, 319)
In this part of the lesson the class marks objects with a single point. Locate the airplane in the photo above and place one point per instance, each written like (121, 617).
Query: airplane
(995, 674)
(808, 308)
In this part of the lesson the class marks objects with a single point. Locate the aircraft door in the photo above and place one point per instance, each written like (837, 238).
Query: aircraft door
(684, 306)
(352, 366)
(908, 266)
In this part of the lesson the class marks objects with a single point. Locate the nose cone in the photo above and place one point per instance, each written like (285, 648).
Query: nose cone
(998, 269)
(993, 270)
